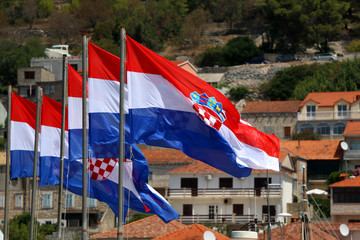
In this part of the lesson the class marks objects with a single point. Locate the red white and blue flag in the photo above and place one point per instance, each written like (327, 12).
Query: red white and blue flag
(22, 139)
(50, 143)
(103, 169)
(169, 107)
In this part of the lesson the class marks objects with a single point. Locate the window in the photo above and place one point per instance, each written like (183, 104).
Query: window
(91, 202)
(342, 110)
(29, 75)
(307, 126)
(187, 209)
(191, 183)
(287, 131)
(339, 128)
(260, 183)
(272, 210)
(310, 111)
(225, 183)
(346, 195)
(323, 129)
(355, 145)
(213, 210)
(2, 201)
(69, 200)
(238, 209)
(46, 200)
(18, 200)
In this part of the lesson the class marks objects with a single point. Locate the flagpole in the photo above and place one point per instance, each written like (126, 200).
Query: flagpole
(121, 133)
(7, 175)
(61, 175)
(34, 188)
(84, 138)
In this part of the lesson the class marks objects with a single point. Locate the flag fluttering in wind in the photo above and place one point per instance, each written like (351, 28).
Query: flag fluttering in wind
(50, 143)
(169, 107)
(103, 170)
(22, 139)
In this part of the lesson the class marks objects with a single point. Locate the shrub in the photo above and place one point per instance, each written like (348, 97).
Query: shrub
(238, 93)
(354, 46)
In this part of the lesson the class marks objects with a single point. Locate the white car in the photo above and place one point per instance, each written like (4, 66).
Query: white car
(324, 57)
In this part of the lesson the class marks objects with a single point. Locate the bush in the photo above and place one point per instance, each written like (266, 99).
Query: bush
(238, 93)
(235, 52)
(354, 46)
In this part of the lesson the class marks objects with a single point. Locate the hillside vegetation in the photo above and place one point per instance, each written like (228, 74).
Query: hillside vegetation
(215, 32)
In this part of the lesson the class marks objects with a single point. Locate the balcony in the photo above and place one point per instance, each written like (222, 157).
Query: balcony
(218, 192)
(352, 155)
(217, 218)
(330, 115)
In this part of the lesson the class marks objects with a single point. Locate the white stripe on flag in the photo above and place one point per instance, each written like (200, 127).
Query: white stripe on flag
(22, 136)
(50, 146)
(150, 90)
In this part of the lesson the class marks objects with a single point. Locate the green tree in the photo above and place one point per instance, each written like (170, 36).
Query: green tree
(14, 56)
(45, 8)
(238, 93)
(194, 25)
(30, 8)
(321, 206)
(328, 21)
(229, 11)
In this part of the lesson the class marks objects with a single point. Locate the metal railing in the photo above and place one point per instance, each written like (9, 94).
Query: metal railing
(216, 218)
(221, 192)
(328, 115)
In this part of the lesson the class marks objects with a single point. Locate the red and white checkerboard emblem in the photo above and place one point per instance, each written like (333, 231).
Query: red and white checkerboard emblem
(100, 168)
(208, 116)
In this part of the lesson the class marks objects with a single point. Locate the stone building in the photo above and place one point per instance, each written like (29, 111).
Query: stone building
(278, 117)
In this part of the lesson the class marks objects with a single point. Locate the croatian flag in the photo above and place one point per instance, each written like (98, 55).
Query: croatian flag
(22, 139)
(75, 113)
(171, 107)
(50, 144)
(103, 173)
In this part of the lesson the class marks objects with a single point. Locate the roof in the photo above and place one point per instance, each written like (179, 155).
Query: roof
(314, 149)
(352, 128)
(196, 167)
(165, 155)
(271, 107)
(211, 77)
(349, 182)
(194, 231)
(328, 99)
(149, 227)
(181, 63)
(293, 231)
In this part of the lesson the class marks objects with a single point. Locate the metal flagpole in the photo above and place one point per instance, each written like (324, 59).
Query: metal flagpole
(34, 188)
(61, 176)
(121, 133)
(268, 205)
(84, 138)
(7, 176)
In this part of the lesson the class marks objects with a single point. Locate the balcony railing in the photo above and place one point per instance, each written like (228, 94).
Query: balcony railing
(217, 218)
(330, 115)
(221, 192)
(352, 155)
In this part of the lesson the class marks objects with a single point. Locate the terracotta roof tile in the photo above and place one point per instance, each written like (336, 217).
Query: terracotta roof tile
(352, 128)
(314, 149)
(327, 99)
(149, 227)
(292, 231)
(349, 182)
(196, 167)
(194, 231)
(271, 106)
(166, 156)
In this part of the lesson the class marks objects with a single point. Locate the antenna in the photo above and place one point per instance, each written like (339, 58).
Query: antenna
(344, 230)
(208, 235)
(344, 146)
